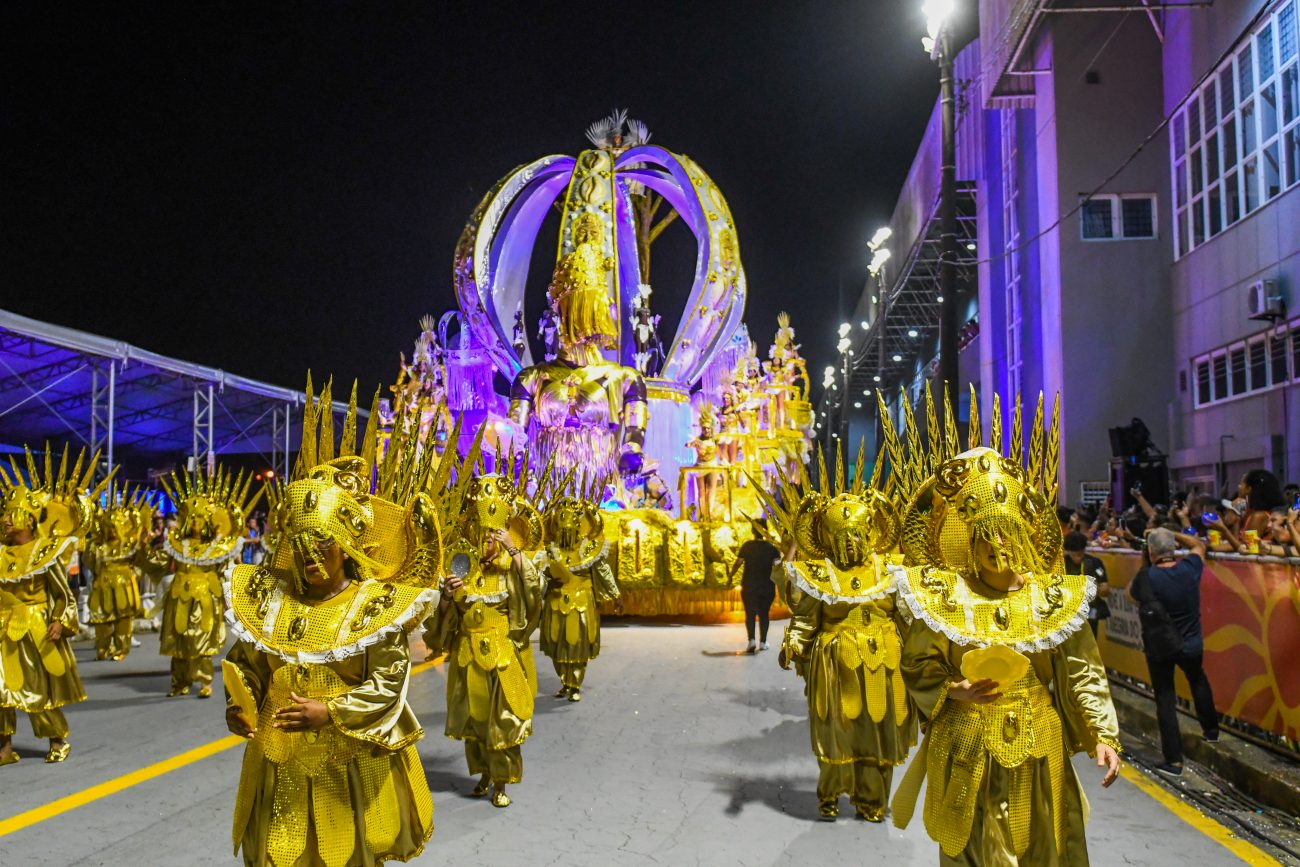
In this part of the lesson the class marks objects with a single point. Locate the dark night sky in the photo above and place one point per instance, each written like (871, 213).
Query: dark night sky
(278, 186)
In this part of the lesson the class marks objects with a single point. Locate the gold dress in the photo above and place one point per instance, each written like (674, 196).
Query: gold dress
(193, 627)
(491, 675)
(843, 635)
(354, 793)
(570, 616)
(1000, 789)
(37, 676)
(114, 598)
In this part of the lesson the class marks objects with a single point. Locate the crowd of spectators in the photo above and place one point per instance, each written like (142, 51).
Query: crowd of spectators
(1260, 517)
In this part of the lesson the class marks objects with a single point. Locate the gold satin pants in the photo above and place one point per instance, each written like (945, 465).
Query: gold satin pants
(501, 766)
(46, 724)
(113, 640)
(571, 673)
(866, 784)
(189, 670)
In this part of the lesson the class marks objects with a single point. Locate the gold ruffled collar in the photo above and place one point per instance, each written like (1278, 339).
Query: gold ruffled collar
(261, 611)
(192, 552)
(20, 562)
(823, 580)
(586, 555)
(1048, 609)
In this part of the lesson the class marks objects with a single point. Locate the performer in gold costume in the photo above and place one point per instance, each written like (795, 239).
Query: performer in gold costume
(490, 605)
(116, 552)
(844, 634)
(330, 773)
(211, 509)
(578, 287)
(578, 578)
(999, 658)
(42, 515)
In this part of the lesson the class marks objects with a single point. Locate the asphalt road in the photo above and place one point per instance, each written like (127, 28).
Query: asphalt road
(682, 752)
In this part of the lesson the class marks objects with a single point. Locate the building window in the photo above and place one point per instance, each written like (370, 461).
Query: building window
(1261, 362)
(1235, 143)
(1221, 377)
(1278, 355)
(1258, 365)
(1118, 217)
(1203, 395)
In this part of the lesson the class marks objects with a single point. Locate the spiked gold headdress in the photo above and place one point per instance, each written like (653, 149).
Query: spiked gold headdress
(571, 518)
(53, 503)
(125, 523)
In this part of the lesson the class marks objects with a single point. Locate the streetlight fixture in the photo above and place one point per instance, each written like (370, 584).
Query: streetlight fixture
(883, 234)
(845, 328)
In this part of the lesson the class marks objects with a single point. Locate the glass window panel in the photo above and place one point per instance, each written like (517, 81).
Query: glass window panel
(1264, 51)
(1290, 94)
(1198, 177)
(1286, 34)
(1182, 232)
(1245, 73)
(1229, 144)
(1293, 156)
(1272, 172)
(1277, 358)
(1248, 131)
(1138, 217)
(1220, 377)
(1227, 93)
(1214, 200)
(1180, 183)
(1096, 216)
(1232, 198)
(1194, 120)
(1210, 106)
(1212, 158)
(1198, 222)
(1295, 352)
(1267, 113)
(1237, 367)
(1250, 180)
(1258, 365)
(1202, 382)
(1180, 134)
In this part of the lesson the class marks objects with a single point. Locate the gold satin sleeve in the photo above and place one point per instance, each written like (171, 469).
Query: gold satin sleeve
(805, 623)
(524, 605)
(441, 627)
(1089, 713)
(254, 666)
(375, 710)
(603, 583)
(61, 601)
(926, 668)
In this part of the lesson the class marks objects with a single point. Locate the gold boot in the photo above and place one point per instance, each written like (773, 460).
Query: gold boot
(872, 814)
(499, 799)
(11, 759)
(482, 788)
(205, 692)
(829, 810)
(58, 753)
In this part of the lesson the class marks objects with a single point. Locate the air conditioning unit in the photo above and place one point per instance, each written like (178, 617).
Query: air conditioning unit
(1264, 300)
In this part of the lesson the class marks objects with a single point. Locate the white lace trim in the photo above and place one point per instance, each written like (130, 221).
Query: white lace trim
(880, 591)
(63, 546)
(203, 561)
(488, 598)
(120, 557)
(414, 614)
(552, 552)
(1045, 642)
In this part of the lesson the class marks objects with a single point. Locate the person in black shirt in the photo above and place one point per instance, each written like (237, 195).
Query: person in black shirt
(1176, 586)
(757, 556)
(1079, 562)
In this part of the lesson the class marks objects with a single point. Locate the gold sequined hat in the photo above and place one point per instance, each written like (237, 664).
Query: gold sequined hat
(127, 520)
(571, 515)
(53, 503)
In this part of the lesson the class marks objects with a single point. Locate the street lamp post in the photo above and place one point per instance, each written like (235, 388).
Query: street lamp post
(939, 44)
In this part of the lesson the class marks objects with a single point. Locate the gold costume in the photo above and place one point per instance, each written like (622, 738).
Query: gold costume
(1000, 789)
(211, 510)
(116, 555)
(37, 675)
(353, 793)
(843, 636)
(579, 287)
(485, 629)
(578, 578)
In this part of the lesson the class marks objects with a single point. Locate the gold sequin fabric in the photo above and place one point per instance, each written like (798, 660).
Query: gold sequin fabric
(36, 674)
(193, 624)
(570, 629)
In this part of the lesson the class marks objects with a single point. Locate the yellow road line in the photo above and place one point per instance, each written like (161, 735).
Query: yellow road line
(126, 781)
(1246, 851)
(103, 790)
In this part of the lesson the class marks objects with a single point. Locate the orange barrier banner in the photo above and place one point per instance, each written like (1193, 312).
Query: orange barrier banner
(1250, 614)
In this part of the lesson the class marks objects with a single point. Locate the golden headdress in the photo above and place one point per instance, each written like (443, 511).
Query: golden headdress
(574, 529)
(53, 503)
(124, 524)
(211, 508)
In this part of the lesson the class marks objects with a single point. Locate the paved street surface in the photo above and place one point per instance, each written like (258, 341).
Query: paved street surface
(682, 752)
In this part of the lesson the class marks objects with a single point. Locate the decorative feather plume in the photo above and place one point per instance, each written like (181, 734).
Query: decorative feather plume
(637, 133)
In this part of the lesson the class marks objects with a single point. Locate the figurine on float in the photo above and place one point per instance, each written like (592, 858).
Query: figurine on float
(42, 517)
(999, 657)
(116, 551)
(548, 332)
(844, 634)
(491, 603)
(578, 578)
(707, 471)
(211, 508)
(648, 349)
(517, 338)
(317, 678)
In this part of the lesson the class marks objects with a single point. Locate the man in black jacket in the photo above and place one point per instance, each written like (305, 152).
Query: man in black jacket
(1079, 562)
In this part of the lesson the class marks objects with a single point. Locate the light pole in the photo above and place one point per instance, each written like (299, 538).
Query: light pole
(880, 298)
(845, 347)
(938, 43)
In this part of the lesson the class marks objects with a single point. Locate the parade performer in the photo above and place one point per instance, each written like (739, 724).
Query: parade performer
(210, 511)
(844, 635)
(999, 657)
(319, 670)
(490, 605)
(578, 578)
(117, 549)
(42, 516)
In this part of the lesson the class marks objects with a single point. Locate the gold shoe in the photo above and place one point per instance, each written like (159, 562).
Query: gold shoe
(175, 692)
(499, 799)
(481, 789)
(829, 810)
(11, 759)
(563, 693)
(575, 695)
(58, 754)
(872, 814)
(205, 692)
